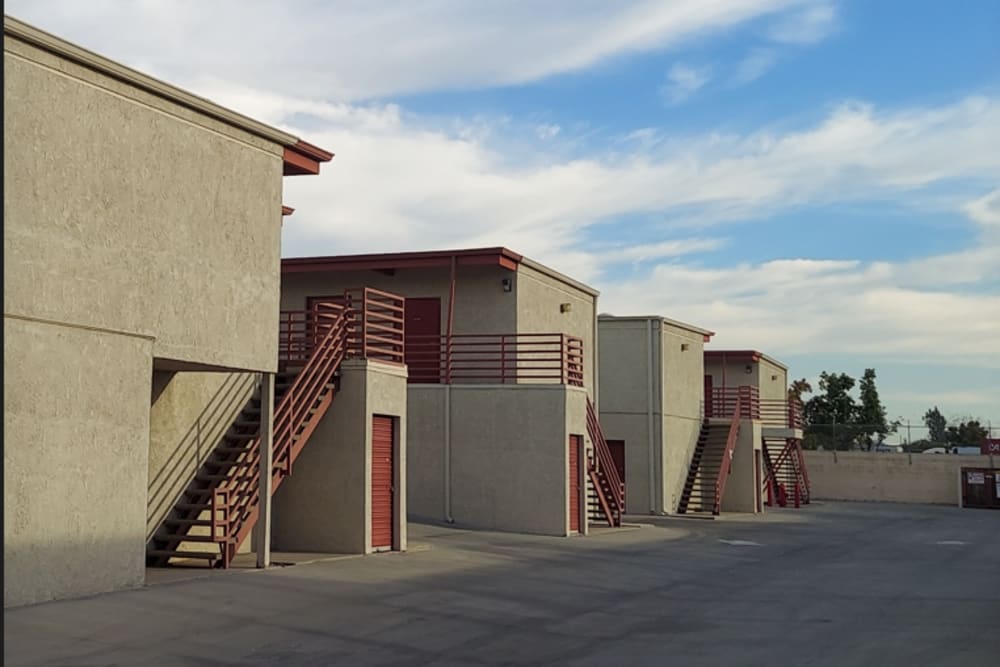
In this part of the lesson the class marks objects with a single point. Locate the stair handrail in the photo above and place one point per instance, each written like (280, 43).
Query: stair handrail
(605, 464)
(241, 490)
(727, 457)
(803, 469)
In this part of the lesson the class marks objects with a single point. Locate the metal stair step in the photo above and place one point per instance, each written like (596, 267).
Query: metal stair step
(174, 553)
(188, 522)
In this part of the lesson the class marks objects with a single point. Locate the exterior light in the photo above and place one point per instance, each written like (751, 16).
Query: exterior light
(684, 346)
(507, 285)
(748, 369)
(565, 307)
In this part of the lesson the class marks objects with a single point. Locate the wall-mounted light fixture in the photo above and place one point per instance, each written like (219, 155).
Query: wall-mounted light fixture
(774, 377)
(507, 284)
(684, 346)
(565, 307)
(748, 369)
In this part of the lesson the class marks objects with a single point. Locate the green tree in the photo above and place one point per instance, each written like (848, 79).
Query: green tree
(831, 412)
(937, 425)
(799, 387)
(969, 433)
(869, 416)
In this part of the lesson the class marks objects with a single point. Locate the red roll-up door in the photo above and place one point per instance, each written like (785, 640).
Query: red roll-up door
(575, 445)
(383, 489)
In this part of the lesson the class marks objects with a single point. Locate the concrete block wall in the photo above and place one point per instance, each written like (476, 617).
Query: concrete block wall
(883, 477)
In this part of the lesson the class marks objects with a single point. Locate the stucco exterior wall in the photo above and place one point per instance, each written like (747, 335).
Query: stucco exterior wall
(772, 381)
(628, 400)
(481, 305)
(128, 212)
(325, 505)
(76, 433)
(743, 486)
(682, 380)
(666, 380)
(190, 413)
(506, 449)
(732, 373)
(878, 477)
(769, 378)
(539, 297)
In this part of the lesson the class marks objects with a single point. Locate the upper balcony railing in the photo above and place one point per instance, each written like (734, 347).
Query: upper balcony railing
(778, 413)
(375, 327)
(495, 359)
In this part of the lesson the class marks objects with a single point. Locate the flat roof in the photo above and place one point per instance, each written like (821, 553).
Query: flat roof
(426, 259)
(607, 317)
(742, 355)
(300, 157)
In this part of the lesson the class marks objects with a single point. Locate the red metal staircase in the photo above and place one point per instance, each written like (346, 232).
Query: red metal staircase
(786, 479)
(605, 481)
(220, 506)
(712, 460)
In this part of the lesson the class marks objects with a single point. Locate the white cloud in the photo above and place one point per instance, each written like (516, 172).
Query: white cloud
(986, 210)
(755, 65)
(351, 50)
(683, 81)
(808, 25)
(607, 255)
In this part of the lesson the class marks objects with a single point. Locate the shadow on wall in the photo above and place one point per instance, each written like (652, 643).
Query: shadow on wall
(70, 566)
(179, 444)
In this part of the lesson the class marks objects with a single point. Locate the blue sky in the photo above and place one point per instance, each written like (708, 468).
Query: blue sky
(818, 179)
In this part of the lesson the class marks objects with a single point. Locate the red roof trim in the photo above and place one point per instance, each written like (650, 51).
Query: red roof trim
(287, 210)
(734, 355)
(404, 260)
(304, 158)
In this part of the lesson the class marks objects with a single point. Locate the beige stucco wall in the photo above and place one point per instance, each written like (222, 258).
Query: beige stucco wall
(76, 430)
(190, 413)
(674, 399)
(128, 212)
(743, 486)
(481, 305)
(682, 378)
(325, 505)
(507, 450)
(772, 380)
(901, 478)
(539, 297)
(769, 378)
(127, 217)
(625, 391)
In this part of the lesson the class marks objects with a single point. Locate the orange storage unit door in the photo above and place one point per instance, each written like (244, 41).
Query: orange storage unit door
(383, 485)
(575, 445)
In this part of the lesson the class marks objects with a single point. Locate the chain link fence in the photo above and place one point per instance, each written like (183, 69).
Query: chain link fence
(907, 437)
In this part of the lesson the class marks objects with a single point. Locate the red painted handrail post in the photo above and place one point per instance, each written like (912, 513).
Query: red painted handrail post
(364, 323)
(447, 359)
(503, 358)
(563, 360)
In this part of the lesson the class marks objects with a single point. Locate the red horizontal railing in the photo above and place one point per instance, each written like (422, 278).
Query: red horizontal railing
(495, 358)
(376, 324)
(725, 402)
(780, 413)
(374, 321)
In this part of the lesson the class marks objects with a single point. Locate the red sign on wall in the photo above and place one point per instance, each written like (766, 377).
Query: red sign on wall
(991, 446)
